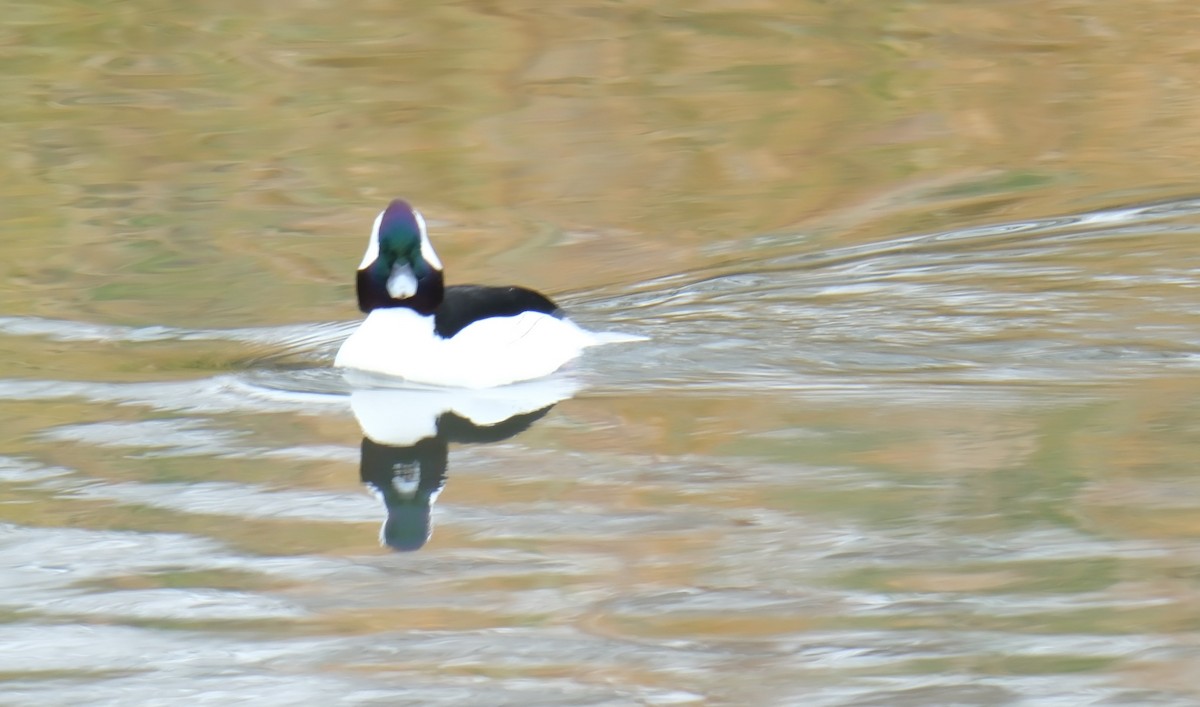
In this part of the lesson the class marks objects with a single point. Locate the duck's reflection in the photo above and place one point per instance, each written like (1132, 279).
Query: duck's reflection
(407, 435)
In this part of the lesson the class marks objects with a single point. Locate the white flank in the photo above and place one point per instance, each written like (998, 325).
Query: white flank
(491, 352)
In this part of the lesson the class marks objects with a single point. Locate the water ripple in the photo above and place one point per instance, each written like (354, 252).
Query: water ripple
(1096, 297)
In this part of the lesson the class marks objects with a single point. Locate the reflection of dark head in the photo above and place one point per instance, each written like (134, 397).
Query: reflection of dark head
(409, 478)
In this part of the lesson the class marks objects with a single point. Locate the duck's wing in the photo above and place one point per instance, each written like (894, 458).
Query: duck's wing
(464, 305)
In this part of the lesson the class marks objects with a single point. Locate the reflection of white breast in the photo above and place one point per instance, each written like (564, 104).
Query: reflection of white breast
(402, 417)
(490, 352)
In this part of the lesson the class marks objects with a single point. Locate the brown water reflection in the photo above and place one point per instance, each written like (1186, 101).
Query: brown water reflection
(916, 425)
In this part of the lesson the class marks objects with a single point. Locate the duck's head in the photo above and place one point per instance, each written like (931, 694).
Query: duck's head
(400, 268)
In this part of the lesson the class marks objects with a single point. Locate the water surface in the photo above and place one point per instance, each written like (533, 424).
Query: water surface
(916, 423)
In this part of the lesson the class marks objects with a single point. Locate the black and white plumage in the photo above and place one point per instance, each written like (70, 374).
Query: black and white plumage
(407, 433)
(469, 336)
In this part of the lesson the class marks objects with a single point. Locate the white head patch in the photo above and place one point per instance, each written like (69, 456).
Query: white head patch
(373, 244)
(426, 247)
(427, 251)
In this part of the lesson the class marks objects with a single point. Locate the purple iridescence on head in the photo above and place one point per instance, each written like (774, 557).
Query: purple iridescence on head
(399, 220)
(399, 252)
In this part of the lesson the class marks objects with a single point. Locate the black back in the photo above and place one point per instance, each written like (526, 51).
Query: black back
(463, 305)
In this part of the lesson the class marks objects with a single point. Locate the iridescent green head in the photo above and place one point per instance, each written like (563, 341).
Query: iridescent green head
(400, 267)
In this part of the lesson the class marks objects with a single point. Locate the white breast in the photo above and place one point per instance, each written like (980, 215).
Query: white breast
(491, 352)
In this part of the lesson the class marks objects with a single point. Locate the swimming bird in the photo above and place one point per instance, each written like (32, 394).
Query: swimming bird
(469, 336)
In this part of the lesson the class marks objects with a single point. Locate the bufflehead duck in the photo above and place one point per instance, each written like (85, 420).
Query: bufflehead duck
(468, 336)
